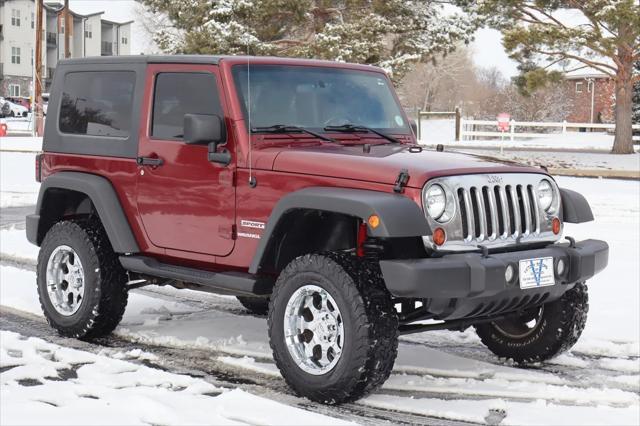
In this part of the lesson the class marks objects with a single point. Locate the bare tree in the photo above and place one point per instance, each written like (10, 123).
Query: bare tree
(440, 85)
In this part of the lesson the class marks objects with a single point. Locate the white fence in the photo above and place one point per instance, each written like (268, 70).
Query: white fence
(470, 128)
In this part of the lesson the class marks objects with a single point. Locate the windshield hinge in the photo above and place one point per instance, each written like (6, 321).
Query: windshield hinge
(401, 181)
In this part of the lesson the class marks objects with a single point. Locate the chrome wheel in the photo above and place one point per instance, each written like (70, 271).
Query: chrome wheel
(65, 280)
(522, 326)
(313, 329)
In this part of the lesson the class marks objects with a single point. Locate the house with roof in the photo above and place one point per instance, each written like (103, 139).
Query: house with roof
(592, 94)
(90, 35)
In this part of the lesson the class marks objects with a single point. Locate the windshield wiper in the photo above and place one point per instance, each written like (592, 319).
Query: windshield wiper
(354, 128)
(283, 128)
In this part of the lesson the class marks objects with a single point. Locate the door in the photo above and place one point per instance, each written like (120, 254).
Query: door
(185, 202)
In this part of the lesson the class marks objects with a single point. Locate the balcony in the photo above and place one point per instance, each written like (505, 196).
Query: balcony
(52, 39)
(106, 49)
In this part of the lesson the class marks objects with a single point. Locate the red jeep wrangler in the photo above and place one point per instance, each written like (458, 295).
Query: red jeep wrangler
(297, 186)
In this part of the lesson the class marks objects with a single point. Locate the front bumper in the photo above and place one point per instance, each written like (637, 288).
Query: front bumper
(470, 284)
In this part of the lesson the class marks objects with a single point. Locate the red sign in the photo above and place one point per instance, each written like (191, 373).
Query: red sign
(503, 121)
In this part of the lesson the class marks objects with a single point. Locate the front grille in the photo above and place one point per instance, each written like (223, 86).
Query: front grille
(498, 211)
(494, 210)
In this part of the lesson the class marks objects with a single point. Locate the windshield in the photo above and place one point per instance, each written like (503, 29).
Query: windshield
(317, 97)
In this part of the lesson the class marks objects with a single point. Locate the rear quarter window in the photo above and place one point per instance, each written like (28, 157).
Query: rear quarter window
(97, 103)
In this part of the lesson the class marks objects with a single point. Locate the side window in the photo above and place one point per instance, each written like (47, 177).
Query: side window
(177, 94)
(97, 103)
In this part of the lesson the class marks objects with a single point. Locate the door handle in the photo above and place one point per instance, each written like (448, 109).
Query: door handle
(149, 161)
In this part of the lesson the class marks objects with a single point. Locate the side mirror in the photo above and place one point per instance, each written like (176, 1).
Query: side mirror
(414, 127)
(207, 129)
(203, 128)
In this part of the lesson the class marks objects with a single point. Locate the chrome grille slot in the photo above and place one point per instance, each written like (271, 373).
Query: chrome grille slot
(533, 203)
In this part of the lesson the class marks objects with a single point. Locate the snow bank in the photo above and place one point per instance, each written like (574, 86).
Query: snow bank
(18, 186)
(19, 143)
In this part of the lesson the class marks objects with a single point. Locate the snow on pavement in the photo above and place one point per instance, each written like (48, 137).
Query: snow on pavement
(46, 383)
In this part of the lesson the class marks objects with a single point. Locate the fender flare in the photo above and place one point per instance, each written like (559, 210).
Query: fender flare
(399, 215)
(575, 208)
(104, 198)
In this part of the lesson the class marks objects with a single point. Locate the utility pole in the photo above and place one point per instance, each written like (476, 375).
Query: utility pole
(37, 83)
(67, 30)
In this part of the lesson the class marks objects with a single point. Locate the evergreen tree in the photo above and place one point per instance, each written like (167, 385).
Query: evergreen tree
(392, 34)
(600, 34)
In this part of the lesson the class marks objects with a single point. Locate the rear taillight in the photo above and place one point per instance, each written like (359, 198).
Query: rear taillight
(39, 159)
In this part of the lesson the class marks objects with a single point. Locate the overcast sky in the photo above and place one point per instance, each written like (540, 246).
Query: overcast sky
(487, 48)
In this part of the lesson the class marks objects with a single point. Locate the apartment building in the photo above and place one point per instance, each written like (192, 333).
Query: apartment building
(90, 35)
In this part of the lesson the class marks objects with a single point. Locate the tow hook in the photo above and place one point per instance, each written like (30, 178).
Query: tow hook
(484, 250)
(401, 181)
(572, 241)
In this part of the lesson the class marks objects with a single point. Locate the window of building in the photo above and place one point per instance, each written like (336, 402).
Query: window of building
(177, 94)
(33, 20)
(14, 90)
(15, 17)
(97, 103)
(579, 87)
(15, 55)
(88, 31)
(125, 40)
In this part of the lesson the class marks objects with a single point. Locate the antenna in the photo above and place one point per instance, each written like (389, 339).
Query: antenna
(252, 180)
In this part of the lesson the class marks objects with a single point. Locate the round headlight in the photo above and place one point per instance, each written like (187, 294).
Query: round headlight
(436, 201)
(545, 194)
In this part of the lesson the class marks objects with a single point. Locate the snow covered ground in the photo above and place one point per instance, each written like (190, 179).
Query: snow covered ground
(566, 160)
(44, 383)
(570, 140)
(439, 374)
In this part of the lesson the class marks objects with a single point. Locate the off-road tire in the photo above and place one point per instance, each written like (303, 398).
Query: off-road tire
(255, 305)
(105, 293)
(559, 328)
(369, 319)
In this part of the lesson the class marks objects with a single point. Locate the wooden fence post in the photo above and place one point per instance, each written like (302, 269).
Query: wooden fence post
(458, 124)
(512, 129)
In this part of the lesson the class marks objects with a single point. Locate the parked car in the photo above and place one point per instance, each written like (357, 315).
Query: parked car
(14, 110)
(19, 100)
(5, 108)
(307, 197)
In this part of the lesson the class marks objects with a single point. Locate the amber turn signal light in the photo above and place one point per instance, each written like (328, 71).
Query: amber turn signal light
(555, 225)
(439, 236)
(374, 221)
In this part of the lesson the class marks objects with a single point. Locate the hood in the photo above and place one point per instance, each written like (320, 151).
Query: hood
(384, 162)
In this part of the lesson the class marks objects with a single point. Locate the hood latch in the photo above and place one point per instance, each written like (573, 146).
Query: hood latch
(401, 181)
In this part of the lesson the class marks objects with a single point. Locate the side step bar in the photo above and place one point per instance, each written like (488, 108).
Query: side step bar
(232, 283)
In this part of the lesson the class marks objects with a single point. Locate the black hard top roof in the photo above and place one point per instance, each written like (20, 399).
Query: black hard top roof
(144, 59)
(206, 60)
